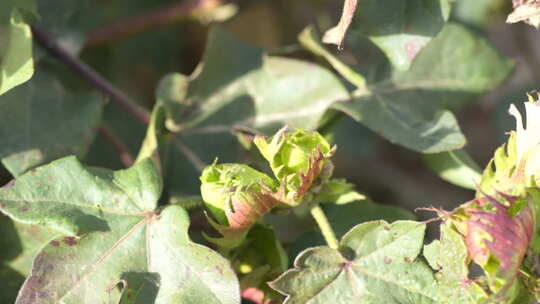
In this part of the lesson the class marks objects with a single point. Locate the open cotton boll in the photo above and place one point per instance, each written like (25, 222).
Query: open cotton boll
(528, 138)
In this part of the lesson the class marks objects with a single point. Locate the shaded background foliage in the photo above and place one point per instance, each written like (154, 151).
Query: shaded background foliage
(135, 43)
(136, 61)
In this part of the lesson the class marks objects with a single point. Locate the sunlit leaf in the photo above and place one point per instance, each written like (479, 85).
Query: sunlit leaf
(456, 167)
(376, 263)
(344, 217)
(449, 257)
(16, 63)
(410, 108)
(119, 244)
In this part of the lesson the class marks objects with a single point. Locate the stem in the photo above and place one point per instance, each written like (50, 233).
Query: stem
(125, 157)
(160, 17)
(324, 226)
(189, 154)
(90, 75)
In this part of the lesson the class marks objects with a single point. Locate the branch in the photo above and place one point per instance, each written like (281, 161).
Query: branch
(125, 157)
(90, 75)
(160, 17)
(189, 154)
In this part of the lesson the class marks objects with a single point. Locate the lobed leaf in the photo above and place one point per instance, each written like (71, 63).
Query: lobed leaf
(376, 263)
(119, 246)
(346, 216)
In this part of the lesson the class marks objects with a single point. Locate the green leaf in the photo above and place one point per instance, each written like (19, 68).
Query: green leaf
(239, 87)
(16, 64)
(154, 136)
(376, 263)
(122, 126)
(130, 247)
(67, 22)
(40, 122)
(344, 217)
(20, 244)
(401, 28)
(70, 198)
(410, 108)
(309, 39)
(449, 257)
(273, 90)
(455, 167)
(163, 266)
(480, 13)
(260, 259)
(27, 8)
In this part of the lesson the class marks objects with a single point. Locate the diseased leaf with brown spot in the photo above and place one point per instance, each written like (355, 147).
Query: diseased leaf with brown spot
(19, 245)
(128, 249)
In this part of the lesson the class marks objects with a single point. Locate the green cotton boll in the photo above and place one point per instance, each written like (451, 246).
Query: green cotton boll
(289, 153)
(236, 195)
(297, 159)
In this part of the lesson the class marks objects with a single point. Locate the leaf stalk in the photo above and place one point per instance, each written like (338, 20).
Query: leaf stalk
(324, 226)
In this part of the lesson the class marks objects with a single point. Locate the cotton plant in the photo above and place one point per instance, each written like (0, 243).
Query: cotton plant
(499, 227)
(238, 196)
